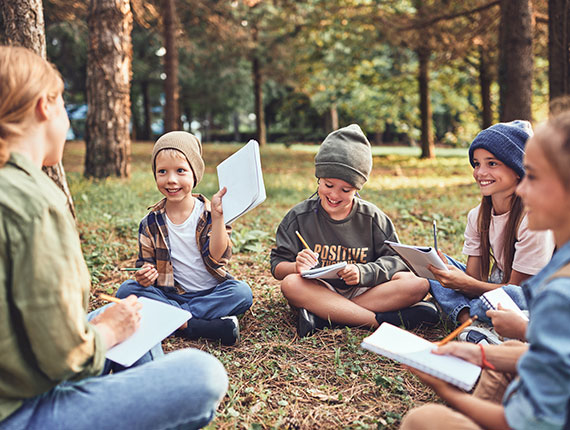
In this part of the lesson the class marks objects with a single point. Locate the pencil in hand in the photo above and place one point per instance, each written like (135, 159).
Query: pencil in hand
(302, 240)
(130, 269)
(109, 298)
(455, 332)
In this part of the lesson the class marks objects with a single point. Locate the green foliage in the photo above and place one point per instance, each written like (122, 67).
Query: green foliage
(250, 241)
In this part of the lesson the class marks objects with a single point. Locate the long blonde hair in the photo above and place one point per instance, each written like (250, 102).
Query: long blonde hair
(24, 78)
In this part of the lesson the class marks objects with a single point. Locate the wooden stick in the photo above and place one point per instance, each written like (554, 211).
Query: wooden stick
(455, 332)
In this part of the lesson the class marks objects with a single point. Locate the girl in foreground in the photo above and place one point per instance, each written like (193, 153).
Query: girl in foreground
(539, 397)
(52, 354)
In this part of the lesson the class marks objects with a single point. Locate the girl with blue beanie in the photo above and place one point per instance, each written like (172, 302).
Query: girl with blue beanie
(522, 386)
(501, 250)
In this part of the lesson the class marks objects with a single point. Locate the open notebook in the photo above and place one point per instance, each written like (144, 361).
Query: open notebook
(407, 348)
(326, 272)
(241, 174)
(492, 298)
(158, 320)
(417, 258)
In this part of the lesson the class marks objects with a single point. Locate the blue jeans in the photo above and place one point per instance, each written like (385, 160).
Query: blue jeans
(231, 297)
(180, 390)
(452, 302)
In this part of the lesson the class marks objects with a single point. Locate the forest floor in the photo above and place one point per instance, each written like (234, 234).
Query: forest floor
(276, 379)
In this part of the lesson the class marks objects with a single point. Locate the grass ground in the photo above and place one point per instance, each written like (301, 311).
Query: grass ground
(276, 379)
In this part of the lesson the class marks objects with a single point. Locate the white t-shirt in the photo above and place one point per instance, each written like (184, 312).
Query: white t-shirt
(533, 249)
(187, 264)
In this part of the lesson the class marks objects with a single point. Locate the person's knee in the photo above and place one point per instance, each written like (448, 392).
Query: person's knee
(423, 417)
(290, 287)
(127, 288)
(213, 382)
(414, 286)
(243, 295)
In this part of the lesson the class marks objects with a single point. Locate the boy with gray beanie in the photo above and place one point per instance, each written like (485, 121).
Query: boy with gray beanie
(184, 246)
(341, 227)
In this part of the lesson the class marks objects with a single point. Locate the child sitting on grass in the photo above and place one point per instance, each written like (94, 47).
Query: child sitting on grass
(184, 246)
(502, 251)
(340, 226)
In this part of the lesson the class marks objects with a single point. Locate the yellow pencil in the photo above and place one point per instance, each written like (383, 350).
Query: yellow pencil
(109, 298)
(302, 240)
(455, 332)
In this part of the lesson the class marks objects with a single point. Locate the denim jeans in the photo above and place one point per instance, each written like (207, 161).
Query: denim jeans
(180, 390)
(452, 302)
(231, 297)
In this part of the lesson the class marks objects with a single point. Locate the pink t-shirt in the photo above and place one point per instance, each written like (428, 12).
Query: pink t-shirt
(533, 249)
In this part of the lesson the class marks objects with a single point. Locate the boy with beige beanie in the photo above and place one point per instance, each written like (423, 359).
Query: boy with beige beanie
(184, 246)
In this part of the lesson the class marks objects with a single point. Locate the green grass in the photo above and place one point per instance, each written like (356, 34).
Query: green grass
(276, 380)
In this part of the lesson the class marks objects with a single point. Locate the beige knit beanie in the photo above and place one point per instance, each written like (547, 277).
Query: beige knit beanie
(186, 143)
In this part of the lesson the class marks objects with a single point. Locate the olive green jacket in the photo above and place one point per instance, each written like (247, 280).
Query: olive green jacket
(44, 289)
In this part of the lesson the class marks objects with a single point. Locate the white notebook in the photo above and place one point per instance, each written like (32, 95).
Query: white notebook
(492, 298)
(418, 258)
(241, 174)
(158, 320)
(407, 348)
(326, 272)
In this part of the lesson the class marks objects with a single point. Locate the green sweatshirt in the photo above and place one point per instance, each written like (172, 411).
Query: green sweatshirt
(357, 239)
(44, 290)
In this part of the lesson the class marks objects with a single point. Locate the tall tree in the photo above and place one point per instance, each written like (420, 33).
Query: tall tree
(559, 47)
(108, 145)
(22, 24)
(171, 86)
(516, 60)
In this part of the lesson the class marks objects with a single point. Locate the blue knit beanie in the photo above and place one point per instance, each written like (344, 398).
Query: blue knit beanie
(506, 141)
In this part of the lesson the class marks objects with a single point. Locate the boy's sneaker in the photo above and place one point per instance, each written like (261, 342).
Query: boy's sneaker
(308, 322)
(231, 336)
(480, 333)
(225, 329)
(422, 313)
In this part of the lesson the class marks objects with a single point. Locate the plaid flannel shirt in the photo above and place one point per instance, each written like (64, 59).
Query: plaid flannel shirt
(154, 245)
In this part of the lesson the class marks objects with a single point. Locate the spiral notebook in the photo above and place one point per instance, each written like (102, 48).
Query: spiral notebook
(492, 298)
(418, 258)
(326, 272)
(414, 351)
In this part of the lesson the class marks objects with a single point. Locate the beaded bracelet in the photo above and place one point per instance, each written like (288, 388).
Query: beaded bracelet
(484, 362)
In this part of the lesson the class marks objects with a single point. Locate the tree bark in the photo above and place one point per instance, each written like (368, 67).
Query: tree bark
(108, 145)
(516, 60)
(427, 143)
(259, 109)
(558, 46)
(22, 24)
(147, 112)
(171, 85)
(485, 81)
(334, 117)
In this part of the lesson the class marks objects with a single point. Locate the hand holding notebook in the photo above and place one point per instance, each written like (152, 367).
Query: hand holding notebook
(491, 299)
(418, 258)
(414, 351)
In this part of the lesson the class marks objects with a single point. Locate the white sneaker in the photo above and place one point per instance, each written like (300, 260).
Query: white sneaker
(480, 333)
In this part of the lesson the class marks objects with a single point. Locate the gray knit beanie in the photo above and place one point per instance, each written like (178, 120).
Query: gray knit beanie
(345, 154)
(506, 141)
(186, 143)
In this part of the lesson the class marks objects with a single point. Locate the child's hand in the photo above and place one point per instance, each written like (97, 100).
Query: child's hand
(508, 323)
(350, 274)
(455, 279)
(147, 275)
(442, 256)
(217, 209)
(306, 259)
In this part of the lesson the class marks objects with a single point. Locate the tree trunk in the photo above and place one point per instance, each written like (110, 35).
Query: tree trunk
(428, 146)
(485, 81)
(558, 46)
(334, 117)
(108, 146)
(171, 86)
(236, 126)
(516, 60)
(259, 110)
(22, 24)
(147, 113)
